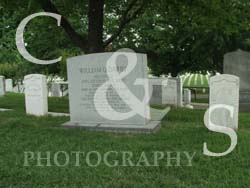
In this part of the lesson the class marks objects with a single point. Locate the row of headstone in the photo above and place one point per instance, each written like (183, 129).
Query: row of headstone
(166, 91)
(6, 85)
(123, 106)
(94, 103)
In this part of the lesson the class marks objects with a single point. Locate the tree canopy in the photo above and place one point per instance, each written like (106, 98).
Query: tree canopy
(177, 35)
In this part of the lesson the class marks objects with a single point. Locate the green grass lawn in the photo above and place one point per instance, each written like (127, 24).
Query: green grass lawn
(182, 130)
(205, 100)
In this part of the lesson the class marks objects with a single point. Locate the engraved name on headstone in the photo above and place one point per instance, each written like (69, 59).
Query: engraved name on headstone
(88, 73)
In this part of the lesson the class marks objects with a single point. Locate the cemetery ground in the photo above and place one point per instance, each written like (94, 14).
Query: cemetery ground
(182, 130)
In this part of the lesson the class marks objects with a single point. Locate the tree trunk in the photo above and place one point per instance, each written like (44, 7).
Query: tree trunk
(95, 26)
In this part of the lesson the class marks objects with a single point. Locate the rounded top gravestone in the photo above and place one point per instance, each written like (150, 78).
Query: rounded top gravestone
(238, 63)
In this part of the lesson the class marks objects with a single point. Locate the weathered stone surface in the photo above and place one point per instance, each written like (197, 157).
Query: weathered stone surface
(238, 63)
(36, 94)
(2, 86)
(165, 91)
(224, 90)
(187, 96)
(169, 96)
(9, 85)
(56, 90)
(179, 92)
(156, 87)
(88, 73)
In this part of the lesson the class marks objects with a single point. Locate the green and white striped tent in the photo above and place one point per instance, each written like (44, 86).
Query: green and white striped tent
(196, 80)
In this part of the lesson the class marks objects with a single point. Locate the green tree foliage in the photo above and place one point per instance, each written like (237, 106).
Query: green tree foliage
(177, 35)
(192, 36)
(8, 70)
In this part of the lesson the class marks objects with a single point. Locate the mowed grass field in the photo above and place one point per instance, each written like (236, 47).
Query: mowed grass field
(182, 130)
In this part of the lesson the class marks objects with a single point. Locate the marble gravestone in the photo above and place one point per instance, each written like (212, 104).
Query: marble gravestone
(96, 104)
(15, 89)
(2, 86)
(187, 96)
(9, 85)
(238, 63)
(224, 89)
(156, 88)
(169, 95)
(36, 97)
(20, 88)
(179, 91)
(55, 90)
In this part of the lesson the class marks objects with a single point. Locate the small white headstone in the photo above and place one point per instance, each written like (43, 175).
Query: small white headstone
(179, 91)
(2, 86)
(155, 85)
(9, 85)
(224, 90)
(36, 99)
(56, 90)
(15, 89)
(187, 96)
(21, 88)
(169, 94)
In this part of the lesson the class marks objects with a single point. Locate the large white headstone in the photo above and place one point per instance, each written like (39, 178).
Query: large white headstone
(36, 97)
(89, 73)
(224, 90)
(9, 85)
(238, 63)
(2, 86)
